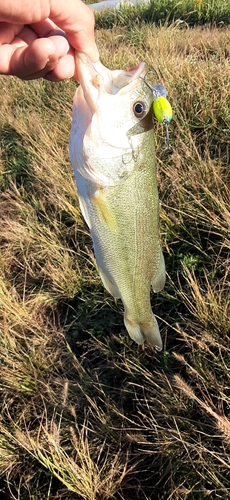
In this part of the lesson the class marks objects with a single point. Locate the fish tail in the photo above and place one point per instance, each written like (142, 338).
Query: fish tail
(148, 331)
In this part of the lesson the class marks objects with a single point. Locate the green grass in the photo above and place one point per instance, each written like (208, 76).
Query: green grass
(85, 413)
(166, 12)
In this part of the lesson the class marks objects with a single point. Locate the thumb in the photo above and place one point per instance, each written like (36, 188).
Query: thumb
(78, 22)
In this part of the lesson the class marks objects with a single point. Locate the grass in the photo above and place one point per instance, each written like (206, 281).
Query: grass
(164, 12)
(85, 413)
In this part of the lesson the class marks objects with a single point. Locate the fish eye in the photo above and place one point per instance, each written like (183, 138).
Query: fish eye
(139, 109)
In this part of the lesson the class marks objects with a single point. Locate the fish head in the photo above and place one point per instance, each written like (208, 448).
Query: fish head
(112, 108)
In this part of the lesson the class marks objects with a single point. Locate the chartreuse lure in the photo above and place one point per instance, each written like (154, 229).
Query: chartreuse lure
(162, 108)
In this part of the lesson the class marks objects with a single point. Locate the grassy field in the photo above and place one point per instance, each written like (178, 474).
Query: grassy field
(85, 412)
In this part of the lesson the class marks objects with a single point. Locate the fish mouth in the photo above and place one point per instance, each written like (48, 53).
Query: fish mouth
(120, 81)
(96, 79)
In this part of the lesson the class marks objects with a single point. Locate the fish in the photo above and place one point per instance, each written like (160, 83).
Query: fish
(112, 152)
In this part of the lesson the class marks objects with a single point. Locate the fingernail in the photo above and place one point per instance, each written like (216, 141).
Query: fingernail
(93, 55)
(69, 66)
(97, 55)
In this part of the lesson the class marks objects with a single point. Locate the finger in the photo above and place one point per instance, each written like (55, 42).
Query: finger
(8, 32)
(73, 16)
(25, 12)
(51, 56)
(77, 20)
(25, 60)
(34, 58)
(65, 69)
(61, 64)
(25, 36)
(44, 27)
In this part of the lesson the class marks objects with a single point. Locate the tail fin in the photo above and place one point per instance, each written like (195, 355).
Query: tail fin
(148, 331)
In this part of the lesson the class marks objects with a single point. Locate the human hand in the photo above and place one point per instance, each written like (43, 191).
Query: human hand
(38, 38)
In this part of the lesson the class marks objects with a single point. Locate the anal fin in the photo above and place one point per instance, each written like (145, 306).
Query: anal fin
(158, 281)
(109, 285)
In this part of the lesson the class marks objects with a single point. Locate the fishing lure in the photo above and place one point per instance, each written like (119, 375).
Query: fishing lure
(162, 108)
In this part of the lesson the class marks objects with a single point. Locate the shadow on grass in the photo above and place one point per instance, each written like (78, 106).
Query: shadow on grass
(16, 158)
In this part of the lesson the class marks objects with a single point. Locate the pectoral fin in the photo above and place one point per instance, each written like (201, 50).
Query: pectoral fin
(104, 210)
(84, 211)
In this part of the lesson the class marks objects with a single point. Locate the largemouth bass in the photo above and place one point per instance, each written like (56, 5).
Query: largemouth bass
(113, 157)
